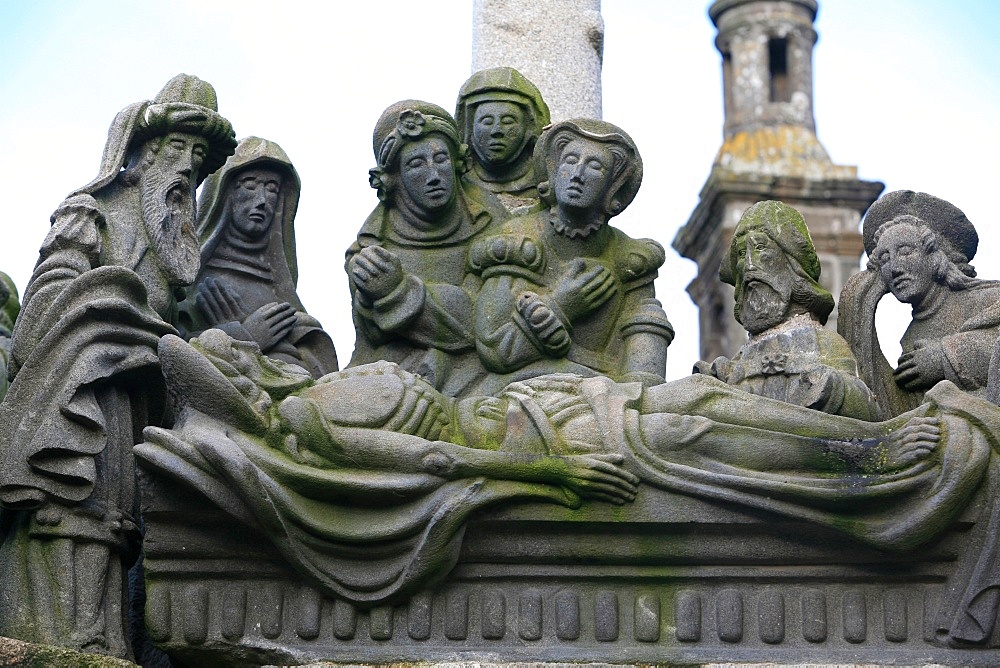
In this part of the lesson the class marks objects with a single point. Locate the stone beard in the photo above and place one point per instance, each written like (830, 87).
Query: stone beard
(762, 304)
(168, 213)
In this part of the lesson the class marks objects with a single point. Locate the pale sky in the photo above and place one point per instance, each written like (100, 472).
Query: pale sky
(906, 90)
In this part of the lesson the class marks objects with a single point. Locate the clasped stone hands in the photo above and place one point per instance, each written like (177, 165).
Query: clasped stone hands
(922, 367)
(267, 325)
(376, 272)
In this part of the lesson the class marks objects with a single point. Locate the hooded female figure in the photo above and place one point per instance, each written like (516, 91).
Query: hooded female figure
(412, 297)
(500, 115)
(246, 285)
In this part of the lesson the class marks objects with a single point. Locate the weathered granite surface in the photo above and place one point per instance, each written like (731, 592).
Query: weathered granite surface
(30, 655)
(770, 151)
(920, 249)
(249, 271)
(790, 355)
(502, 473)
(85, 375)
(500, 115)
(559, 46)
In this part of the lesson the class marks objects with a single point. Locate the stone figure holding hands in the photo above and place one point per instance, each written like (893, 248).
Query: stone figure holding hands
(412, 298)
(563, 291)
(246, 285)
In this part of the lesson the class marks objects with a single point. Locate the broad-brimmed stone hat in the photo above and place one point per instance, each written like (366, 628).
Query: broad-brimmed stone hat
(955, 232)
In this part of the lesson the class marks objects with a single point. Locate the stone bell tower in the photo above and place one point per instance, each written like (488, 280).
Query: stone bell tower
(769, 151)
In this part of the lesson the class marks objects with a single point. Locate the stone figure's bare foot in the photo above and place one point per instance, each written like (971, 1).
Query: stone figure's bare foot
(912, 442)
(908, 444)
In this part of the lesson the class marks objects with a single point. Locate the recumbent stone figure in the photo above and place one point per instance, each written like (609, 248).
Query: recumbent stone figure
(286, 454)
(500, 360)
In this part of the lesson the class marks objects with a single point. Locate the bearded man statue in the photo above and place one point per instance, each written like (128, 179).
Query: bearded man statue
(85, 371)
(790, 355)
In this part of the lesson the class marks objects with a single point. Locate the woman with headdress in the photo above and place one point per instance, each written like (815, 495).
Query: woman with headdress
(412, 298)
(500, 114)
(246, 285)
(564, 291)
(920, 249)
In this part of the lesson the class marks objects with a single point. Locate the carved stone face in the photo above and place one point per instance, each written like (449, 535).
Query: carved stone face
(904, 263)
(184, 154)
(428, 176)
(498, 133)
(583, 175)
(254, 197)
(766, 280)
(168, 204)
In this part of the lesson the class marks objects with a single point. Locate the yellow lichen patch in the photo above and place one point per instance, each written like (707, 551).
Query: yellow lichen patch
(785, 150)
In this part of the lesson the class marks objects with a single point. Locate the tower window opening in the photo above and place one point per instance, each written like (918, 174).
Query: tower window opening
(777, 52)
(727, 82)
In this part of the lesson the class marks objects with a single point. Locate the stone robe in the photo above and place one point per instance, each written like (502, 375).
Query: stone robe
(426, 324)
(625, 338)
(792, 361)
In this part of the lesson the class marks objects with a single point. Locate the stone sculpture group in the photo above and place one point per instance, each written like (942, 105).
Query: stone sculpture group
(170, 397)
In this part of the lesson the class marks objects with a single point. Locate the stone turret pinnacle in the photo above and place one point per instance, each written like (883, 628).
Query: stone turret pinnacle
(769, 151)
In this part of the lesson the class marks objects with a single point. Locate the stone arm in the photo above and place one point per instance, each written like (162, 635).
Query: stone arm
(839, 392)
(71, 248)
(431, 315)
(594, 476)
(642, 324)
(966, 356)
(834, 386)
(647, 333)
